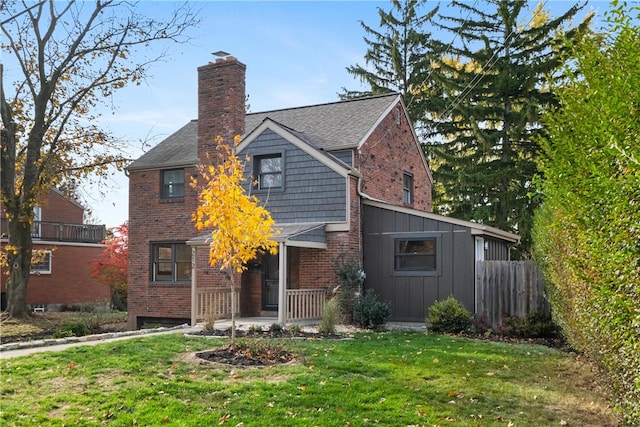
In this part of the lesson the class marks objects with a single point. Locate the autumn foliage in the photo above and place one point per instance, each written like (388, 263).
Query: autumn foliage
(240, 226)
(112, 268)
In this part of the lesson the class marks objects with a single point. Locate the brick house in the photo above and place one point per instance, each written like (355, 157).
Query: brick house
(315, 168)
(62, 279)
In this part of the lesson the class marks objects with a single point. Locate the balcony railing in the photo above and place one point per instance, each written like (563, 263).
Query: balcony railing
(62, 232)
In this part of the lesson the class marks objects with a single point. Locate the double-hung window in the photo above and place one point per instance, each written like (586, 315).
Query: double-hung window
(407, 188)
(268, 171)
(415, 254)
(42, 264)
(170, 262)
(172, 183)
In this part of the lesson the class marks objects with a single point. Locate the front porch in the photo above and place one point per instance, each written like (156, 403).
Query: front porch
(301, 305)
(272, 284)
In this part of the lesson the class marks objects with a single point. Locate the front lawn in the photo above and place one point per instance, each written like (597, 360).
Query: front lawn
(391, 379)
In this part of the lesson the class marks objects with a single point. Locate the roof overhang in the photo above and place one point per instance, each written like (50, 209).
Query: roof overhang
(302, 235)
(476, 229)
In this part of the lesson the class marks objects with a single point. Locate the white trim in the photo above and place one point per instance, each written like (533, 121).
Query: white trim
(476, 229)
(49, 271)
(58, 243)
(380, 119)
(288, 136)
(479, 256)
(194, 287)
(302, 244)
(282, 284)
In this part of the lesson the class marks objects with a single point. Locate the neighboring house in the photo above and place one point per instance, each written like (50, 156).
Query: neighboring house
(324, 172)
(61, 279)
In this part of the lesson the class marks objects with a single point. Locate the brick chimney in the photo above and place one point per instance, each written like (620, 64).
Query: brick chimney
(221, 103)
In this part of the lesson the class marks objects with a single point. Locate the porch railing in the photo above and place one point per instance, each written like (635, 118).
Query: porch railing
(304, 304)
(215, 303)
(62, 232)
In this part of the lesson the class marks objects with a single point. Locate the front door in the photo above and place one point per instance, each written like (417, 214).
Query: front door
(270, 279)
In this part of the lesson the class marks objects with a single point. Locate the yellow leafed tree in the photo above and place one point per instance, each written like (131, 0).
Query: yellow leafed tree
(240, 226)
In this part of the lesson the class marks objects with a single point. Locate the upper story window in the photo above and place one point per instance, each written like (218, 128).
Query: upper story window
(172, 183)
(170, 262)
(268, 171)
(36, 227)
(43, 264)
(415, 254)
(407, 188)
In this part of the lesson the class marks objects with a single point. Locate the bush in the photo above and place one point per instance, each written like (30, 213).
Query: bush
(330, 316)
(449, 317)
(350, 276)
(75, 329)
(370, 312)
(534, 325)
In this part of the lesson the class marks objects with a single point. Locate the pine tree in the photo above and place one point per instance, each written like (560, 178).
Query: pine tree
(483, 144)
(399, 57)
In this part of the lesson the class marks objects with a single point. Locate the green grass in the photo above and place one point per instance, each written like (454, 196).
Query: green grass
(392, 379)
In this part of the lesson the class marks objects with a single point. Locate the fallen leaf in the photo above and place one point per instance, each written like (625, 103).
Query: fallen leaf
(302, 387)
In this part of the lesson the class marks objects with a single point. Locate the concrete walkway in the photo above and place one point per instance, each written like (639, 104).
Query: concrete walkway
(26, 348)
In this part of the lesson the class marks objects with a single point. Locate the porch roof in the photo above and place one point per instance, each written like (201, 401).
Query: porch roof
(304, 235)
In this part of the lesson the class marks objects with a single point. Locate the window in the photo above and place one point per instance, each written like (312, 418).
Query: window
(415, 254)
(407, 188)
(43, 266)
(268, 170)
(172, 183)
(171, 262)
(36, 227)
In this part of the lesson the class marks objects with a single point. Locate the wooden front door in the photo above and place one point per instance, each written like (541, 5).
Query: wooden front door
(270, 279)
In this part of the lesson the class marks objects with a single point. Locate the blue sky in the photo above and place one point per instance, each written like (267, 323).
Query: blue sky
(296, 53)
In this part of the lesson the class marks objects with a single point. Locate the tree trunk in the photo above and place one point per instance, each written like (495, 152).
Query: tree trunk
(233, 309)
(19, 260)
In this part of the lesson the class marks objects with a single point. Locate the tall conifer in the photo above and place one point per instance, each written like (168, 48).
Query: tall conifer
(483, 143)
(399, 56)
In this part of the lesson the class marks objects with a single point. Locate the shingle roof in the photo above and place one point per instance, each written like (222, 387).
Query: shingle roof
(331, 126)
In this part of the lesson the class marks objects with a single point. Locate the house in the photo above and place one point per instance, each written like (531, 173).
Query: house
(323, 171)
(62, 278)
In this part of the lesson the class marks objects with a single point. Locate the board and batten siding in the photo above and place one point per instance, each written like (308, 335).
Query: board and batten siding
(312, 191)
(412, 293)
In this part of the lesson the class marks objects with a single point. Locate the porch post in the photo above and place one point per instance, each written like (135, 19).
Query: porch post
(194, 296)
(282, 283)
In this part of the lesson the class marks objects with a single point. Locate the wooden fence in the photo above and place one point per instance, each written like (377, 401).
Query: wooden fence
(508, 289)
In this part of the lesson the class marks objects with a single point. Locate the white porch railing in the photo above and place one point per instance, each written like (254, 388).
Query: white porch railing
(215, 302)
(304, 304)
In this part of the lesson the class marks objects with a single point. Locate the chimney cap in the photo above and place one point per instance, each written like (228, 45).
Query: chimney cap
(221, 53)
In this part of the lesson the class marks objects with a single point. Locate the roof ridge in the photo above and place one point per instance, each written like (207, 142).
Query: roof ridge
(341, 101)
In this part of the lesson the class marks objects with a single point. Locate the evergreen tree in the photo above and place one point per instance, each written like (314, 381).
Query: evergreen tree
(483, 143)
(399, 57)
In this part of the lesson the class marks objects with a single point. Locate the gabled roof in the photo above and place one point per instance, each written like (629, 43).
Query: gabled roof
(298, 139)
(332, 126)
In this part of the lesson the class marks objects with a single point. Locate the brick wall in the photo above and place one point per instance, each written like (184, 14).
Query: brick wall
(70, 281)
(221, 103)
(221, 112)
(57, 208)
(154, 220)
(391, 150)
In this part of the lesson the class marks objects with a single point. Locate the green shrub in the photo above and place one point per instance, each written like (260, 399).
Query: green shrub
(75, 329)
(370, 312)
(350, 276)
(536, 324)
(276, 329)
(449, 317)
(330, 317)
